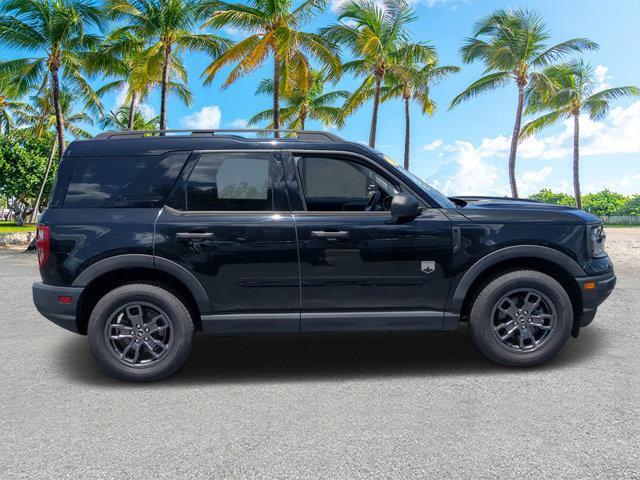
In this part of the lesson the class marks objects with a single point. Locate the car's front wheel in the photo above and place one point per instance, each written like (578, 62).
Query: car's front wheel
(140, 332)
(521, 318)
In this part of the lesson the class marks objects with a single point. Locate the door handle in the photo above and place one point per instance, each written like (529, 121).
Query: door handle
(326, 234)
(193, 235)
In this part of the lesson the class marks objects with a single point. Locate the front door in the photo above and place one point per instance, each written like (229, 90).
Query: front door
(230, 225)
(360, 268)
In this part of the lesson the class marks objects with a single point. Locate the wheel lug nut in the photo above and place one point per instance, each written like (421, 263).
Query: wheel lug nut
(146, 329)
(137, 326)
(146, 338)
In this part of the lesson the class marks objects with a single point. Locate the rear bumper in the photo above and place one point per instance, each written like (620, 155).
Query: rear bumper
(46, 300)
(593, 297)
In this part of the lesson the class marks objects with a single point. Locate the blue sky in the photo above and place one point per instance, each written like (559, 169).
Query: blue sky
(464, 151)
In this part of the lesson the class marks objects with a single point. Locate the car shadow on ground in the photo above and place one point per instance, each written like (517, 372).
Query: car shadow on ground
(322, 357)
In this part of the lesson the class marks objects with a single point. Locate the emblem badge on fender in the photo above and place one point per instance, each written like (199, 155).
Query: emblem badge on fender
(427, 266)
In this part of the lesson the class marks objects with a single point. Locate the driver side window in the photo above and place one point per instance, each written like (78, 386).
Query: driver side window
(339, 185)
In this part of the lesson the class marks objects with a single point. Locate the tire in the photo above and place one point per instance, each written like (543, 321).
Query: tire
(535, 336)
(149, 319)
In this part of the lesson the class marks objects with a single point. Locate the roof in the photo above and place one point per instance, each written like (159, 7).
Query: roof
(127, 143)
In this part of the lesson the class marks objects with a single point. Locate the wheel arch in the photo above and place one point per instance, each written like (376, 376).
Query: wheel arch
(112, 272)
(530, 257)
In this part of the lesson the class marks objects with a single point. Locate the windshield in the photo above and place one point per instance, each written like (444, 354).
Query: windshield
(432, 192)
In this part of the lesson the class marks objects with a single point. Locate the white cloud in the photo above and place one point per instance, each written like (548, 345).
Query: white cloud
(616, 134)
(206, 118)
(451, 4)
(121, 99)
(471, 175)
(627, 184)
(147, 111)
(532, 180)
(238, 123)
(433, 145)
(469, 169)
(602, 75)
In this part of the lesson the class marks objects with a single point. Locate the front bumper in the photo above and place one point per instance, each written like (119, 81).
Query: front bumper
(46, 300)
(595, 290)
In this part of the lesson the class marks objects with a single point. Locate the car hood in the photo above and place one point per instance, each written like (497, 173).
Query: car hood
(504, 209)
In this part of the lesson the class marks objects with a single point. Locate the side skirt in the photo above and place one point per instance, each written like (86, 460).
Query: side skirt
(316, 322)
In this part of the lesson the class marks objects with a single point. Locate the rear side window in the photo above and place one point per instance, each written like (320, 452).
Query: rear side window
(230, 181)
(121, 182)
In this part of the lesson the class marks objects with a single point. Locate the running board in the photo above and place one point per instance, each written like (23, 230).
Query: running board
(316, 322)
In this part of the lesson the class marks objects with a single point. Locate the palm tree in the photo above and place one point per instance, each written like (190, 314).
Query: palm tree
(409, 78)
(122, 120)
(168, 29)
(59, 31)
(45, 119)
(512, 45)
(274, 27)
(304, 103)
(138, 70)
(372, 33)
(565, 91)
(11, 107)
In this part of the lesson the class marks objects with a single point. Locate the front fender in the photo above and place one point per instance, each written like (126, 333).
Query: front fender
(510, 253)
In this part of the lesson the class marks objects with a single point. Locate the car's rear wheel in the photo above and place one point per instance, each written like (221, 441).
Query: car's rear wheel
(140, 332)
(521, 318)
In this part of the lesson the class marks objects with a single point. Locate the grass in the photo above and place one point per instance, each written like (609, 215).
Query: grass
(621, 225)
(11, 227)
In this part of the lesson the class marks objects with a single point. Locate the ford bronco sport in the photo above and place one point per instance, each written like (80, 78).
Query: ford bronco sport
(150, 237)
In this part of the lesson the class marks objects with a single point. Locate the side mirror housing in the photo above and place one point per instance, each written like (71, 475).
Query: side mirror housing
(404, 205)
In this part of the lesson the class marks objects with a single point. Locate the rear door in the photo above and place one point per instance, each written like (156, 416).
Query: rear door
(362, 269)
(229, 223)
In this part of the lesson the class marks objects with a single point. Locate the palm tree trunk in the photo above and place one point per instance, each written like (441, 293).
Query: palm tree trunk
(164, 88)
(514, 142)
(303, 120)
(374, 116)
(55, 88)
(132, 109)
(576, 159)
(44, 182)
(276, 95)
(407, 133)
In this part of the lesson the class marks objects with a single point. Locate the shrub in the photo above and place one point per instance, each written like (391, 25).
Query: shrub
(547, 196)
(605, 202)
(631, 206)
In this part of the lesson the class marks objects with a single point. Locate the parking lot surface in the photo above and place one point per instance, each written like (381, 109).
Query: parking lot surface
(327, 406)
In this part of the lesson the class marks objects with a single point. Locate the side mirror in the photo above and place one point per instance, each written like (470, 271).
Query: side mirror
(404, 205)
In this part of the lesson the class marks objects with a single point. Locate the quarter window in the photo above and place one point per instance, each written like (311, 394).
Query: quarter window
(230, 181)
(121, 182)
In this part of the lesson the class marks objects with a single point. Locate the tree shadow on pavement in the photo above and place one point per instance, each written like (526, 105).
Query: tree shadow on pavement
(320, 357)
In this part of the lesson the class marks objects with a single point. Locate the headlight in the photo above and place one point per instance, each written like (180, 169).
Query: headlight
(595, 240)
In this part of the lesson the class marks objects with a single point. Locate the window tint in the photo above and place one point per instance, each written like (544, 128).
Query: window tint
(230, 181)
(330, 177)
(120, 182)
(334, 184)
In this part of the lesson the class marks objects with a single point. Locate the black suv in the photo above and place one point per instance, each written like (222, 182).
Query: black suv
(150, 238)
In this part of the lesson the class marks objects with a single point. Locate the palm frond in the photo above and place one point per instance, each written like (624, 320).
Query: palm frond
(541, 122)
(486, 83)
(561, 49)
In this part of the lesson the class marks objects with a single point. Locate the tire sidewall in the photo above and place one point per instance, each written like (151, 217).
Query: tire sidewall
(182, 334)
(481, 322)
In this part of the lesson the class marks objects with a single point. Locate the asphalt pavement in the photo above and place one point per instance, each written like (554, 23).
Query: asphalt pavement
(330, 406)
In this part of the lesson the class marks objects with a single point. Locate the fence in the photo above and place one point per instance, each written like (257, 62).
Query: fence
(621, 219)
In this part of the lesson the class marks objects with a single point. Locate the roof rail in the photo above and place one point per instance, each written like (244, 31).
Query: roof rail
(308, 135)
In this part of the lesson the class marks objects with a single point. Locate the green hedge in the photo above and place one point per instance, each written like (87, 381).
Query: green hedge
(602, 203)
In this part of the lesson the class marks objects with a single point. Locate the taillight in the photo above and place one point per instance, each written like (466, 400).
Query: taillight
(43, 239)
